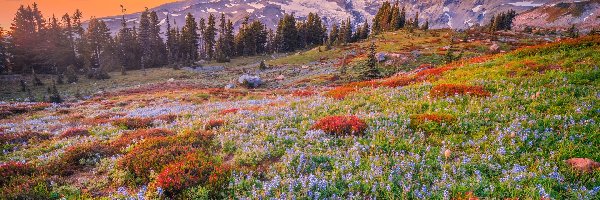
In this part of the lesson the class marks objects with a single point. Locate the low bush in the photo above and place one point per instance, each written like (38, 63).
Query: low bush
(154, 153)
(227, 111)
(10, 170)
(445, 90)
(340, 92)
(73, 132)
(139, 135)
(133, 123)
(214, 123)
(22, 137)
(341, 125)
(194, 169)
(79, 156)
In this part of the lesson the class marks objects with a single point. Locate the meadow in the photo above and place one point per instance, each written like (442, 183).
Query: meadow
(490, 126)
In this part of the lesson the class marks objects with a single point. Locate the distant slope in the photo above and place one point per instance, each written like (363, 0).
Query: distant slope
(440, 13)
(584, 14)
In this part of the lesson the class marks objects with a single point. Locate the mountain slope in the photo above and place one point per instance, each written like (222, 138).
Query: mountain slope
(440, 13)
(584, 14)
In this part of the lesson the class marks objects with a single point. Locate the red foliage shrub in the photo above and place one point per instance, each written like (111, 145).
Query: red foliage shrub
(341, 125)
(397, 81)
(303, 93)
(139, 135)
(418, 119)
(227, 111)
(154, 153)
(18, 138)
(7, 110)
(193, 169)
(72, 132)
(340, 92)
(12, 169)
(75, 157)
(214, 123)
(133, 123)
(444, 90)
(167, 117)
(433, 72)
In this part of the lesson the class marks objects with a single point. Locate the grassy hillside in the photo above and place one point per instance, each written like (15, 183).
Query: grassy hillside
(491, 126)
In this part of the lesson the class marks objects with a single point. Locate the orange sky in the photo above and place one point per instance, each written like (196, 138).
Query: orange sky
(98, 8)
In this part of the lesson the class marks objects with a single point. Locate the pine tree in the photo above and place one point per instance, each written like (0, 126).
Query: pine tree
(99, 43)
(55, 95)
(333, 35)
(425, 26)
(402, 19)
(365, 31)
(415, 22)
(126, 46)
(144, 40)
(158, 51)
(372, 72)
(26, 35)
(172, 44)
(287, 33)
(395, 17)
(573, 32)
(209, 37)
(202, 29)
(71, 74)
(189, 39)
(3, 53)
(348, 31)
(262, 65)
(229, 39)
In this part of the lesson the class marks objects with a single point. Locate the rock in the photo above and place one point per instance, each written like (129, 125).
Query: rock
(447, 153)
(445, 48)
(305, 66)
(495, 47)
(583, 164)
(250, 81)
(171, 80)
(230, 86)
(280, 78)
(415, 53)
(380, 57)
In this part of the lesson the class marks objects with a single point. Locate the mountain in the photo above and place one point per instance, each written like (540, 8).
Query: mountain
(584, 14)
(457, 14)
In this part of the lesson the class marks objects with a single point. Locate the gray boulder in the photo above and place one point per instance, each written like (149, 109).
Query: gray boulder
(250, 81)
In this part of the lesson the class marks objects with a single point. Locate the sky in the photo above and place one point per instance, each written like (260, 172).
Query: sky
(97, 8)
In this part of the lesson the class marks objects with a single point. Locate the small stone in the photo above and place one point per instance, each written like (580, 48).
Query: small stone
(583, 164)
(447, 153)
(495, 47)
(280, 78)
(171, 80)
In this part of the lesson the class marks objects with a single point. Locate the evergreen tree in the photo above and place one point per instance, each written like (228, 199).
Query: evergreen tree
(287, 33)
(126, 46)
(402, 19)
(425, 26)
(189, 39)
(209, 37)
(158, 51)
(202, 29)
(144, 40)
(415, 21)
(171, 44)
(333, 35)
(372, 72)
(229, 39)
(26, 35)
(348, 31)
(3, 53)
(99, 43)
(55, 95)
(572, 32)
(395, 17)
(365, 31)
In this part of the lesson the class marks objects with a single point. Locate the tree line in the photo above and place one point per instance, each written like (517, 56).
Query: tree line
(392, 18)
(62, 46)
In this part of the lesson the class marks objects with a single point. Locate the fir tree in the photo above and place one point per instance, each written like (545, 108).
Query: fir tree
(189, 39)
(55, 95)
(573, 32)
(333, 35)
(287, 33)
(209, 37)
(425, 26)
(365, 31)
(372, 72)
